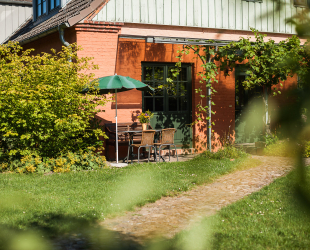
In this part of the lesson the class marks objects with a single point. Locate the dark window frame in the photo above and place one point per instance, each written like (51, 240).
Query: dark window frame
(44, 7)
(165, 96)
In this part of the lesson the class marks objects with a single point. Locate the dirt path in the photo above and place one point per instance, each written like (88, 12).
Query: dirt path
(170, 215)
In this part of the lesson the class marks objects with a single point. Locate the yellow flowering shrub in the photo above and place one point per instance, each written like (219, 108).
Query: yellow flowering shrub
(63, 164)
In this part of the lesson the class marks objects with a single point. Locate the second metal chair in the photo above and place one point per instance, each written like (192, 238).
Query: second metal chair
(146, 141)
(167, 139)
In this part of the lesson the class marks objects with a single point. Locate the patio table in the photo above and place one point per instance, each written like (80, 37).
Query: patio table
(131, 136)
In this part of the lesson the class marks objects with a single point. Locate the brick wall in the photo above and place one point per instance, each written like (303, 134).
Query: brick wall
(131, 53)
(124, 57)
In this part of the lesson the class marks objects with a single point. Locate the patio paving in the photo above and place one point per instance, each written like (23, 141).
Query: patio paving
(182, 157)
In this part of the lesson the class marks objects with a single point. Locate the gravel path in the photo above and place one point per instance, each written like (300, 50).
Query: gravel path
(170, 215)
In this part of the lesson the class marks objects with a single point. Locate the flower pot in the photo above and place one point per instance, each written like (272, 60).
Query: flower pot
(144, 126)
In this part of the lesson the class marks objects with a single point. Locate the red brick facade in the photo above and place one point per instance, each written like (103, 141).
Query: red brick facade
(124, 56)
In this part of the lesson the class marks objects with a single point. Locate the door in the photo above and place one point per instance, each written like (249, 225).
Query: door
(248, 110)
(171, 104)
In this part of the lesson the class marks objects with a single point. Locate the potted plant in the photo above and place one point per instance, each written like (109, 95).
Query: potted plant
(144, 118)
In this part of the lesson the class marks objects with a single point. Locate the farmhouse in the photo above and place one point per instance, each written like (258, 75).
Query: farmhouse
(141, 39)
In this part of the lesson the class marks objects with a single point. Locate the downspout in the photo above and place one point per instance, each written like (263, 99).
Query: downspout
(209, 124)
(61, 29)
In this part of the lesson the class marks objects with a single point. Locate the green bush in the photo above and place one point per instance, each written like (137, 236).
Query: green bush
(306, 152)
(64, 163)
(228, 152)
(280, 148)
(270, 139)
(285, 148)
(42, 109)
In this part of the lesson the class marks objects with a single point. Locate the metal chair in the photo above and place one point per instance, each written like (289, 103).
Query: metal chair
(146, 141)
(167, 139)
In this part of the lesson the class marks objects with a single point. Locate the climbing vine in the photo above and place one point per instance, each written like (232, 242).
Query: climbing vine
(266, 63)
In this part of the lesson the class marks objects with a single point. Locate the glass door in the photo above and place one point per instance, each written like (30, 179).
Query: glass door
(170, 103)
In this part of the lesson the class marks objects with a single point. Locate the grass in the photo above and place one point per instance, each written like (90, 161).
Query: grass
(280, 148)
(272, 218)
(46, 201)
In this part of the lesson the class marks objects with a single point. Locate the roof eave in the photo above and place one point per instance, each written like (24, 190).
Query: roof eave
(69, 23)
(43, 34)
(16, 2)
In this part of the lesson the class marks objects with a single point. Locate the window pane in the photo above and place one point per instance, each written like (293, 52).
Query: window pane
(173, 104)
(148, 71)
(148, 93)
(57, 3)
(39, 10)
(52, 6)
(44, 7)
(182, 104)
(159, 73)
(148, 104)
(183, 89)
(158, 91)
(172, 89)
(159, 104)
(183, 74)
(171, 71)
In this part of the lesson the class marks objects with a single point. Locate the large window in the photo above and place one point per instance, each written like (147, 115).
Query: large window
(170, 102)
(45, 6)
(172, 97)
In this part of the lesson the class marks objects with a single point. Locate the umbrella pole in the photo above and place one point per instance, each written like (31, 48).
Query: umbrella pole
(116, 139)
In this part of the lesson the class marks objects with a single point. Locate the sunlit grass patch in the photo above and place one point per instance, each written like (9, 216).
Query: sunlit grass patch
(281, 148)
(41, 200)
(249, 163)
(269, 219)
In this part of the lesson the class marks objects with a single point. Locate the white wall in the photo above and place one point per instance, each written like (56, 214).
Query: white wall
(11, 17)
(220, 14)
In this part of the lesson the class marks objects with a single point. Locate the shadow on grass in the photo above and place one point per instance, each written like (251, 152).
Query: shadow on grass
(58, 231)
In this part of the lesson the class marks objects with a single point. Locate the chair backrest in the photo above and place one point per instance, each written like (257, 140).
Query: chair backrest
(148, 137)
(167, 136)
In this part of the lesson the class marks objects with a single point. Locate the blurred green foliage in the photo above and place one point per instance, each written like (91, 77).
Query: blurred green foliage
(42, 110)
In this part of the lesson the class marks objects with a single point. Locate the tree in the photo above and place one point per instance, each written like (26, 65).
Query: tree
(41, 108)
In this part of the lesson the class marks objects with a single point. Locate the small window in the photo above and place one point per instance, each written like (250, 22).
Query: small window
(258, 1)
(41, 7)
(301, 3)
(44, 6)
(54, 4)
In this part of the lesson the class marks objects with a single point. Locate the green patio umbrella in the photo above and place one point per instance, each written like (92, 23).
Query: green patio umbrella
(117, 83)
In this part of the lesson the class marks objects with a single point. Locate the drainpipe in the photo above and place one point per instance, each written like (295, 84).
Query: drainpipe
(61, 29)
(209, 124)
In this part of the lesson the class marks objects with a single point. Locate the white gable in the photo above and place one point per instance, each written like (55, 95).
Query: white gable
(221, 14)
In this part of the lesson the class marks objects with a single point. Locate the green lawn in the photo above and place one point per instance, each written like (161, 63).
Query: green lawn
(58, 204)
(45, 201)
(273, 218)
